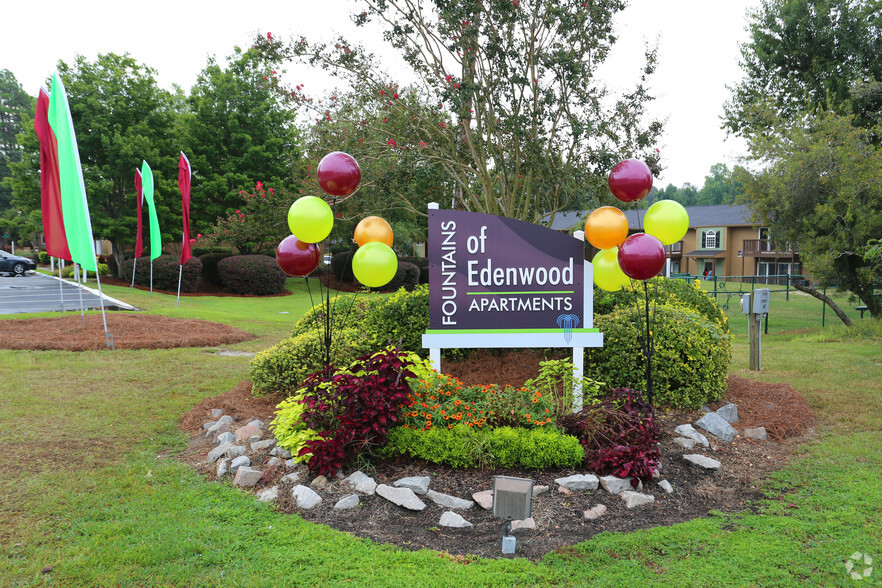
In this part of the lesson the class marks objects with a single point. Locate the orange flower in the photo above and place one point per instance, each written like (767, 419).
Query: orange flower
(546, 410)
(449, 426)
(457, 403)
(535, 401)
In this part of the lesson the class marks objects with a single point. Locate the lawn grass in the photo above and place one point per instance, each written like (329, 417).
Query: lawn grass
(91, 489)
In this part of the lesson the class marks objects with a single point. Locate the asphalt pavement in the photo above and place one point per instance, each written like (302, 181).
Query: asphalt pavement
(37, 292)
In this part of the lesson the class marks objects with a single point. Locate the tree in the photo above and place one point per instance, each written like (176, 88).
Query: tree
(523, 128)
(805, 54)
(15, 106)
(239, 132)
(822, 191)
(258, 226)
(720, 187)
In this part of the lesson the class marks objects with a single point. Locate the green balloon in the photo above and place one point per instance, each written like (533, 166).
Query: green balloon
(667, 221)
(374, 264)
(310, 219)
(608, 274)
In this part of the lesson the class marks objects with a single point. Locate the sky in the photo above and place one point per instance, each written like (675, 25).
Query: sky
(698, 42)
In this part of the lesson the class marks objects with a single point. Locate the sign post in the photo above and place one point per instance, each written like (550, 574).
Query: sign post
(497, 282)
(755, 304)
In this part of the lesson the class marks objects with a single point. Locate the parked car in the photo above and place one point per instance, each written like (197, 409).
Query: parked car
(15, 264)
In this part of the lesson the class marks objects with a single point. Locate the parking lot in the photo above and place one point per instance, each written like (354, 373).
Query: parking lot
(36, 292)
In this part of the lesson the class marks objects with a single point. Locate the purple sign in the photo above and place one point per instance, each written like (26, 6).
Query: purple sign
(492, 272)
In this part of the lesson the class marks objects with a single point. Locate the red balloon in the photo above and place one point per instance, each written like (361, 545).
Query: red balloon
(630, 180)
(338, 174)
(296, 258)
(641, 256)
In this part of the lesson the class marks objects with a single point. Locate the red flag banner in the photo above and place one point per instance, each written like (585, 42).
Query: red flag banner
(139, 196)
(184, 176)
(50, 185)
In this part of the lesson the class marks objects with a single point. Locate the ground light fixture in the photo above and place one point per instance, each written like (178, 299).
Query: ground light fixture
(512, 501)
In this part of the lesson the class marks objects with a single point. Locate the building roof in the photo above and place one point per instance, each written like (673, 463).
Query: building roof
(719, 215)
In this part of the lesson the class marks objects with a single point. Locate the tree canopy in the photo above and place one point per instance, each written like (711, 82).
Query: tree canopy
(15, 106)
(518, 120)
(807, 54)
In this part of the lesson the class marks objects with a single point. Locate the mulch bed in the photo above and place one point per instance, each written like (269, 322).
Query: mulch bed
(735, 487)
(129, 330)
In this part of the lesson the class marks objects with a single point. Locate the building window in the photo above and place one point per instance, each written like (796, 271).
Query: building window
(710, 240)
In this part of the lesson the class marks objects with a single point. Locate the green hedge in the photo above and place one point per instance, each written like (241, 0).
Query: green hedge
(165, 272)
(678, 293)
(68, 271)
(407, 276)
(258, 275)
(690, 363)
(466, 447)
(399, 319)
(209, 265)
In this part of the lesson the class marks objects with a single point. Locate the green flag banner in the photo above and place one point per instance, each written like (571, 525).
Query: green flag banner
(147, 185)
(74, 207)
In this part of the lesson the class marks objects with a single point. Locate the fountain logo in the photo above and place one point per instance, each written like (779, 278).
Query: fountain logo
(857, 561)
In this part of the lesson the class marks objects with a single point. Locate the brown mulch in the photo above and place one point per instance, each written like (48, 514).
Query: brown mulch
(735, 487)
(129, 331)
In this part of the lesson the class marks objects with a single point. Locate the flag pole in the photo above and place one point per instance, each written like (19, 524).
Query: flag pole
(180, 271)
(151, 274)
(80, 288)
(134, 265)
(60, 286)
(108, 338)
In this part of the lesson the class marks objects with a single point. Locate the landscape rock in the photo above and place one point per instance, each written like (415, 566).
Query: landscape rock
(247, 431)
(685, 442)
(419, 484)
(216, 429)
(238, 462)
(700, 460)
(595, 512)
(454, 520)
(265, 444)
(290, 463)
(564, 490)
(319, 483)
(305, 497)
(635, 499)
(484, 499)
(293, 477)
(361, 482)
(274, 462)
(223, 468)
(247, 477)
(527, 524)
(403, 497)
(257, 423)
(220, 451)
(616, 485)
(717, 426)
(538, 490)
(217, 413)
(226, 437)
(757, 434)
(448, 501)
(348, 501)
(729, 413)
(666, 486)
(690, 432)
(280, 452)
(268, 494)
(579, 482)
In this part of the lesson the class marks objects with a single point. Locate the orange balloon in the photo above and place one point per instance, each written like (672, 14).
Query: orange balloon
(373, 228)
(606, 227)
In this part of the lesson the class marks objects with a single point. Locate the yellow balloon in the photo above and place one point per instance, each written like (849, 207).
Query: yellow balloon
(608, 274)
(606, 227)
(310, 219)
(667, 221)
(374, 264)
(371, 229)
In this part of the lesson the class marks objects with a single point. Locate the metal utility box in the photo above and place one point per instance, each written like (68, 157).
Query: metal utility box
(512, 498)
(761, 298)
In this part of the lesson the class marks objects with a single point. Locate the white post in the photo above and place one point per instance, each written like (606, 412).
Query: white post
(435, 358)
(180, 273)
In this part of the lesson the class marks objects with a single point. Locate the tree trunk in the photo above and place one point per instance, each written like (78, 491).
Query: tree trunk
(872, 301)
(119, 256)
(811, 291)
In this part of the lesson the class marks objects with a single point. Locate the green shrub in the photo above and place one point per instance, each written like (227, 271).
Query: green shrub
(209, 265)
(557, 380)
(399, 319)
(258, 275)
(690, 363)
(43, 257)
(424, 275)
(341, 266)
(671, 292)
(200, 251)
(420, 262)
(165, 272)
(283, 367)
(346, 312)
(465, 447)
(68, 270)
